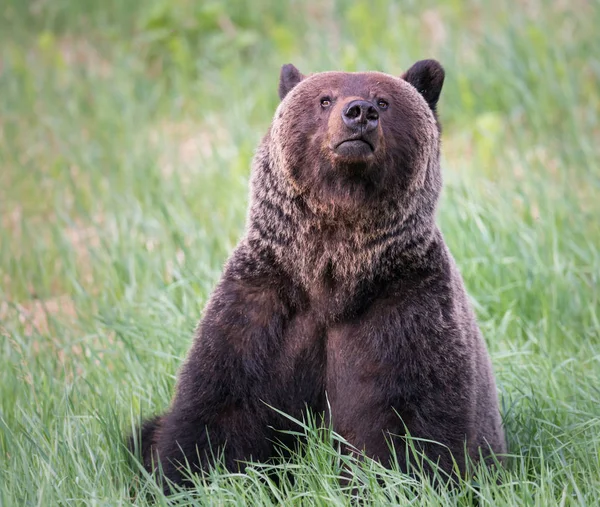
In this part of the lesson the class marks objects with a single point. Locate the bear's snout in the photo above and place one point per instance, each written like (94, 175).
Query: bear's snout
(360, 115)
(356, 136)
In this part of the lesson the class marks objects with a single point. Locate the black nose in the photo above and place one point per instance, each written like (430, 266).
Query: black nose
(360, 113)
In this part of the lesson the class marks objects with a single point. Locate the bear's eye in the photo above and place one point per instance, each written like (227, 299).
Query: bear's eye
(325, 102)
(382, 104)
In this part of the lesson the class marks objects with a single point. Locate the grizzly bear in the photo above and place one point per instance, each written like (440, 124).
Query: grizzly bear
(342, 297)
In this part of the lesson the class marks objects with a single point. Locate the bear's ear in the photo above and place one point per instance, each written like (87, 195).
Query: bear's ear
(290, 76)
(427, 76)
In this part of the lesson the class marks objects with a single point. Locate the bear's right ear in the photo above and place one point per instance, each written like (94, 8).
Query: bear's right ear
(290, 76)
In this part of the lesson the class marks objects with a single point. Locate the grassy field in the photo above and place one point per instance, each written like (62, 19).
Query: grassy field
(126, 135)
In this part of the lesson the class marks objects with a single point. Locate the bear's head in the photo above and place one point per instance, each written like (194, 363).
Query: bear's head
(349, 140)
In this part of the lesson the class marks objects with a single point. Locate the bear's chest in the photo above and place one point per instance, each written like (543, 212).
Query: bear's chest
(321, 354)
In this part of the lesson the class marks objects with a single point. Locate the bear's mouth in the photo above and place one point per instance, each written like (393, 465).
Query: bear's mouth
(354, 148)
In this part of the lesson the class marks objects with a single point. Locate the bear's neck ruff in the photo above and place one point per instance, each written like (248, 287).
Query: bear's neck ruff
(331, 248)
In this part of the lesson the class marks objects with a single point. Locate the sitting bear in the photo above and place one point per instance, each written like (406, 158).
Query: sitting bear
(342, 296)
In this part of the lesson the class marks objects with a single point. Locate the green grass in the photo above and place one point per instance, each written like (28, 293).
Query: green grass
(126, 135)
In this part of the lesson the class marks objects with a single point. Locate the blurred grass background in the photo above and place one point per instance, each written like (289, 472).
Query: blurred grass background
(126, 135)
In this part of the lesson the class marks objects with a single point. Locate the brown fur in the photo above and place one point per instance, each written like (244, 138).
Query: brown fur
(342, 287)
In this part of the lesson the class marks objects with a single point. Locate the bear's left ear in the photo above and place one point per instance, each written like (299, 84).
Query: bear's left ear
(427, 76)
(290, 76)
